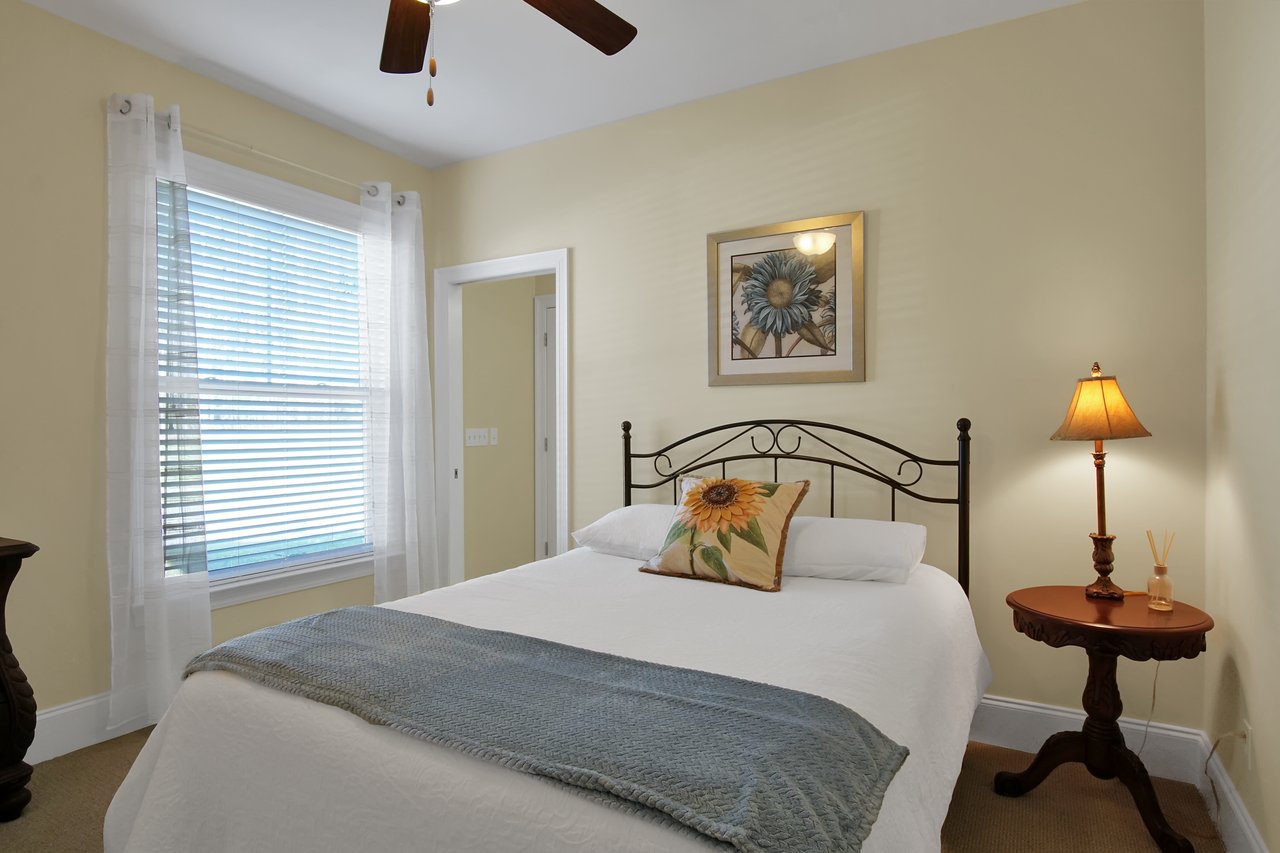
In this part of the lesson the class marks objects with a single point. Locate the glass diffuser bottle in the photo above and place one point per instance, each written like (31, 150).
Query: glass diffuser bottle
(1160, 589)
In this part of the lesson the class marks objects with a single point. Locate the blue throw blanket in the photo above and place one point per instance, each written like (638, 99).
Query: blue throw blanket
(757, 767)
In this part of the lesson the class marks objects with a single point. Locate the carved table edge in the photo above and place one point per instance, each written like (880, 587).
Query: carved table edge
(1133, 647)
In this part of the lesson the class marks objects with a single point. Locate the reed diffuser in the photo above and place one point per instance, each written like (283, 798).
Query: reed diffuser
(1159, 587)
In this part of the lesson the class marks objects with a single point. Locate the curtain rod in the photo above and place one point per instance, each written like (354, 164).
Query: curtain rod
(258, 152)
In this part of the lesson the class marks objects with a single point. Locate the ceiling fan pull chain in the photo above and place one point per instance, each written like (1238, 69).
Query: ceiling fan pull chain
(431, 56)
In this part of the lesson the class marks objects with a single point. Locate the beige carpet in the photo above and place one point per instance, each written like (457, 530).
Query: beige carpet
(1071, 811)
(69, 799)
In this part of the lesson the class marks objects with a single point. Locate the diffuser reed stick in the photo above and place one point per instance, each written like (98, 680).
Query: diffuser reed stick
(1166, 542)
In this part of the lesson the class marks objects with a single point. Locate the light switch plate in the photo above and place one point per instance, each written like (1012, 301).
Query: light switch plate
(493, 435)
(477, 437)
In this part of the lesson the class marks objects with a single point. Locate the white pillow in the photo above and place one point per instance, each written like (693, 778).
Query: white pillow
(852, 549)
(630, 531)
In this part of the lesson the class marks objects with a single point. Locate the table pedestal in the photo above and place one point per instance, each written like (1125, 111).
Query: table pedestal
(1100, 747)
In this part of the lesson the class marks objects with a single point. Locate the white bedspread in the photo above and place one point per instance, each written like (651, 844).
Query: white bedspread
(235, 766)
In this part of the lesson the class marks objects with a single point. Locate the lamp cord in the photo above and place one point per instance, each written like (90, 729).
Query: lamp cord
(1217, 804)
(1240, 733)
(1155, 679)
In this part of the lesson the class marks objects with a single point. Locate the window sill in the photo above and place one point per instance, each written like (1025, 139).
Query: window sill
(246, 588)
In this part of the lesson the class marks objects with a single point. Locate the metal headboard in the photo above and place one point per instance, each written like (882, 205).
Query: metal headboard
(806, 441)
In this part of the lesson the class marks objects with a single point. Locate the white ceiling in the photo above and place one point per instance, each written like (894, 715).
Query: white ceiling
(509, 75)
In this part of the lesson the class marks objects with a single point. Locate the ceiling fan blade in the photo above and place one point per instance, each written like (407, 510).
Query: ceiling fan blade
(589, 21)
(404, 47)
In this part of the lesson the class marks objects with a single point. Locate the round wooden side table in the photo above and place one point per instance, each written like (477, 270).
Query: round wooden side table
(1106, 629)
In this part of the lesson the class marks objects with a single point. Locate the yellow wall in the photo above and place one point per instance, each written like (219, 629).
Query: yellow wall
(1035, 201)
(55, 78)
(1242, 68)
(497, 377)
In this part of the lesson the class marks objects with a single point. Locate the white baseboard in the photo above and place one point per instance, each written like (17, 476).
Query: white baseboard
(1171, 752)
(69, 727)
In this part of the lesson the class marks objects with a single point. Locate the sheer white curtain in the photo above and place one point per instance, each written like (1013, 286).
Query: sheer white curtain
(159, 590)
(406, 551)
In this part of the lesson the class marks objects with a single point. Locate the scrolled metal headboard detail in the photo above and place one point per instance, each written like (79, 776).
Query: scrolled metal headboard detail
(831, 445)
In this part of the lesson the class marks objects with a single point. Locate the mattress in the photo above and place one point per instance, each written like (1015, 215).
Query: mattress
(234, 766)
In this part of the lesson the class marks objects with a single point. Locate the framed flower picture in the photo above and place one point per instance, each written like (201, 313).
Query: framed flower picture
(785, 303)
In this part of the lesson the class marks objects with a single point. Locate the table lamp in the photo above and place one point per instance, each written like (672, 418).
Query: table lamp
(1099, 412)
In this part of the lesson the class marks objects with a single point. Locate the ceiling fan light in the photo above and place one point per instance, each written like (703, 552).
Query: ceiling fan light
(814, 242)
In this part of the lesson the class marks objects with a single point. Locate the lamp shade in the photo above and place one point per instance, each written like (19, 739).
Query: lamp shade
(1099, 412)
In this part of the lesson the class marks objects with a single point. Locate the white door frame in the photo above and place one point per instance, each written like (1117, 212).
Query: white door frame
(447, 350)
(544, 526)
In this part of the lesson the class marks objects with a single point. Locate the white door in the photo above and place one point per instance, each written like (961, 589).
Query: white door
(544, 396)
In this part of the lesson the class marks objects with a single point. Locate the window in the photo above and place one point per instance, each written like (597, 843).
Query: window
(281, 375)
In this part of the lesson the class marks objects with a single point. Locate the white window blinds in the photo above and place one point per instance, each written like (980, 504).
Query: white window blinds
(283, 385)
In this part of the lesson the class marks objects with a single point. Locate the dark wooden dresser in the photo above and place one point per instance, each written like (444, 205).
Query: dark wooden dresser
(17, 701)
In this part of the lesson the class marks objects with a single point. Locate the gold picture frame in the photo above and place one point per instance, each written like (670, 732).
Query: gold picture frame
(777, 315)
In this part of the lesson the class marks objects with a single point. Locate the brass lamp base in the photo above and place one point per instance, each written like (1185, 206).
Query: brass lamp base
(1102, 560)
(1104, 588)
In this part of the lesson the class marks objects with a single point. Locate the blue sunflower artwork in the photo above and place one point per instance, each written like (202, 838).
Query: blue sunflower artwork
(783, 307)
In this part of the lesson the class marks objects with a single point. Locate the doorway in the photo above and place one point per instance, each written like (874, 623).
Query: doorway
(551, 533)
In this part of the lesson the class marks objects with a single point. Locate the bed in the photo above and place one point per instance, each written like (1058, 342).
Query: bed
(236, 766)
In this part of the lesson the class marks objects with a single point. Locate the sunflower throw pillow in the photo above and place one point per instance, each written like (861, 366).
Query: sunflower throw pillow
(729, 531)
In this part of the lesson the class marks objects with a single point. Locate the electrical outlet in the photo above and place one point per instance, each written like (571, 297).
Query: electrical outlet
(1248, 746)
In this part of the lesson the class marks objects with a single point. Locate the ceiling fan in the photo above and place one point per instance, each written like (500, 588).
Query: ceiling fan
(404, 48)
